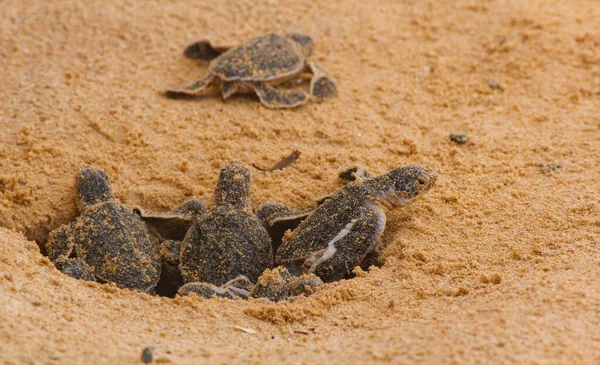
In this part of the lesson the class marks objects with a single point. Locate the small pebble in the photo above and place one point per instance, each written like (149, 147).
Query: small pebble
(494, 84)
(147, 355)
(550, 166)
(459, 138)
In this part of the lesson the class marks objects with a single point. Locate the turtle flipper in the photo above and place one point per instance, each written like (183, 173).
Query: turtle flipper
(321, 84)
(60, 242)
(205, 290)
(238, 288)
(373, 258)
(188, 210)
(278, 219)
(271, 213)
(274, 98)
(197, 88)
(174, 224)
(203, 50)
(229, 88)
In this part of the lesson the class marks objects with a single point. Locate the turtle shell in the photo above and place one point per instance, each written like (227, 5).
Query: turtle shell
(263, 58)
(319, 228)
(224, 245)
(118, 246)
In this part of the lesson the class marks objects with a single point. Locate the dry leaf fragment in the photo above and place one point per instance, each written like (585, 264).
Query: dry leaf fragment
(285, 162)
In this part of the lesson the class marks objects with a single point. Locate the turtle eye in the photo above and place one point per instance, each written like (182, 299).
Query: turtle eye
(421, 182)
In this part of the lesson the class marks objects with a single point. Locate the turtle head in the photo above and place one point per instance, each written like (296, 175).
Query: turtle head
(400, 186)
(304, 41)
(92, 187)
(233, 188)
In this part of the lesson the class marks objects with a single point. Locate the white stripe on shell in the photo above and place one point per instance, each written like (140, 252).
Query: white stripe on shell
(331, 249)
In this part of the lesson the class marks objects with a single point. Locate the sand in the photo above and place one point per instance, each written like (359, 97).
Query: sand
(499, 263)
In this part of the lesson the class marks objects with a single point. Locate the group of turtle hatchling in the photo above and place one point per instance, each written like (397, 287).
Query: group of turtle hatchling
(227, 251)
(231, 251)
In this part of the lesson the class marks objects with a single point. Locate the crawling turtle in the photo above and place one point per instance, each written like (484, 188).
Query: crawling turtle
(258, 65)
(226, 250)
(107, 243)
(342, 231)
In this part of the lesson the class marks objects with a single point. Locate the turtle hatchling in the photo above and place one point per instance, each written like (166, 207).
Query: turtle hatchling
(343, 230)
(226, 250)
(107, 243)
(259, 65)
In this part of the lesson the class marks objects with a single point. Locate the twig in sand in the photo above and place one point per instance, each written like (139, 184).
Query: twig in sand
(285, 162)
(246, 330)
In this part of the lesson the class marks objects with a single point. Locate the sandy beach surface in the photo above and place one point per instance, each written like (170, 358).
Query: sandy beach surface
(498, 263)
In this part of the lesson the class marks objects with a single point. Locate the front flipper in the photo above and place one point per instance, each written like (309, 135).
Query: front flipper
(75, 268)
(373, 258)
(60, 242)
(278, 219)
(60, 247)
(204, 290)
(321, 84)
(274, 98)
(197, 88)
(174, 224)
(238, 288)
(348, 248)
(203, 50)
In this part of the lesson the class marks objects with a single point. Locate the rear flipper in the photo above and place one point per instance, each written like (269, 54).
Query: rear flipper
(238, 288)
(321, 84)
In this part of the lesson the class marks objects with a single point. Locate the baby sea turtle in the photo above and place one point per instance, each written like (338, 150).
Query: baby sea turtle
(229, 241)
(107, 243)
(226, 250)
(342, 231)
(258, 65)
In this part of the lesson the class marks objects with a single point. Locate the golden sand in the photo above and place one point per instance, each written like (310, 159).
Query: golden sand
(499, 263)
